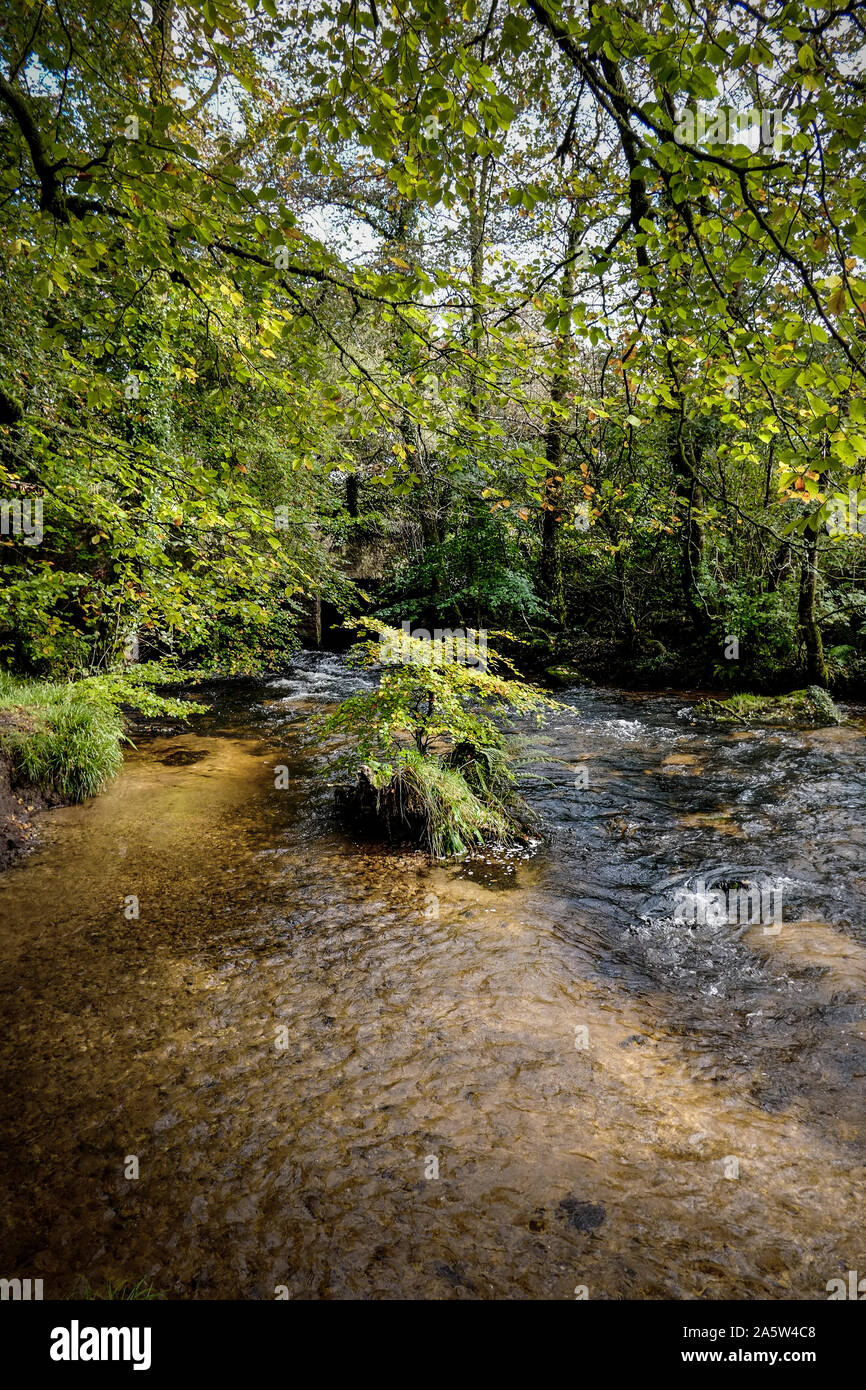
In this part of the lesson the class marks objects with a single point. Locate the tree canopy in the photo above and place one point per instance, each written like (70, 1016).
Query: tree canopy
(560, 306)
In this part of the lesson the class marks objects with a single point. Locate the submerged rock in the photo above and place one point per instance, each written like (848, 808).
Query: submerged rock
(583, 1216)
(811, 707)
(184, 757)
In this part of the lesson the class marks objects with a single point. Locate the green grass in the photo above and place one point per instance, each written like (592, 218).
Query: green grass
(60, 738)
(141, 1291)
(434, 802)
(66, 737)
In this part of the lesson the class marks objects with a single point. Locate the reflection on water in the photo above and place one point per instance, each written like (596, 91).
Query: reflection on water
(297, 1031)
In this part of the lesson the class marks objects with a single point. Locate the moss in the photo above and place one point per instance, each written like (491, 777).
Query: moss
(565, 674)
(810, 707)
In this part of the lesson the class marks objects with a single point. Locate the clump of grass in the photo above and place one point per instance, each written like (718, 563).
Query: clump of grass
(422, 799)
(65, 738)
(61, 738)
(141, 1291)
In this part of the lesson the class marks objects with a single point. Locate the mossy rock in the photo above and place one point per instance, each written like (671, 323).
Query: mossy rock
(811, 707)
(655, 650)
(565, 674)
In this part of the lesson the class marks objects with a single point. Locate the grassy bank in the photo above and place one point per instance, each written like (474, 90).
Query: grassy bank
(59, 742)
(62, 741)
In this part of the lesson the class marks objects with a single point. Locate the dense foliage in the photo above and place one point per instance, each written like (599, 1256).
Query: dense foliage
(521, 312)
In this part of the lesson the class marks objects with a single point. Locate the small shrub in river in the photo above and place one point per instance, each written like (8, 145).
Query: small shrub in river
(426, 755)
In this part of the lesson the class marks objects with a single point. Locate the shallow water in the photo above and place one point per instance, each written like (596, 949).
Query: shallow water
(297, 1029)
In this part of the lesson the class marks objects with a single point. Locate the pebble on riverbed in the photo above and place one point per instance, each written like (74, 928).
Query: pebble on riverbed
(583, 1216)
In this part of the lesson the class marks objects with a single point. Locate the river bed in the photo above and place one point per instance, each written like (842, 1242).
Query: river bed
(344, 1071)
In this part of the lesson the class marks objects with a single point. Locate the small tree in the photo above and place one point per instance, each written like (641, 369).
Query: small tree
(426, 755)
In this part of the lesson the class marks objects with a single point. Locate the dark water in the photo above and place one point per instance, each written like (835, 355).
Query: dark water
(297, 1030)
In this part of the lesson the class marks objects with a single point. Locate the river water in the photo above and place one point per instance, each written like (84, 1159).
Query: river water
(344, 1071)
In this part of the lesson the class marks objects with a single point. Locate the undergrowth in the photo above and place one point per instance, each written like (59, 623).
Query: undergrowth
(66, 738)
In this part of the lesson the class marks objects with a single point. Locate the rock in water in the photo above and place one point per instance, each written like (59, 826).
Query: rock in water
(809, 708)
(824, 704)
(583, 1216)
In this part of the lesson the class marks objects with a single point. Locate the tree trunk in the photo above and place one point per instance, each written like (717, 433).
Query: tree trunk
(550, 569)
(162, 14)
(816, 667)
(693, 534)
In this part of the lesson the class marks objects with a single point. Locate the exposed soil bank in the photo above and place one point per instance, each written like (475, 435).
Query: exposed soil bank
(18, 802)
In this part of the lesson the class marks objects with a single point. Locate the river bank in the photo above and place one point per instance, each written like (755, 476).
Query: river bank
(61, 743)
(19, 801)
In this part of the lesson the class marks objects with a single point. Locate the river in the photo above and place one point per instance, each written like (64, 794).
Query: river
(343, 1071)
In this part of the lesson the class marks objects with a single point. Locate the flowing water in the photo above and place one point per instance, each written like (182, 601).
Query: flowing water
(297, 1032)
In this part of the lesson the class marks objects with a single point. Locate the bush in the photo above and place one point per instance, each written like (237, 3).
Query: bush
(477, 569)
(250, 639)
(765, 625)
(60, 738)
(427, 759)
